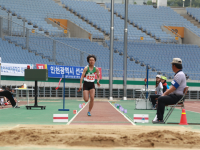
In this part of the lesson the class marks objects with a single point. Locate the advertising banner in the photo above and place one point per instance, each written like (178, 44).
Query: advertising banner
(13, 69)
(73, 72)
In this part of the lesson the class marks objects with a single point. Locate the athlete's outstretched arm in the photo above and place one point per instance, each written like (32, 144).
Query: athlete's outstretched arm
(81, 80)
(98, 77)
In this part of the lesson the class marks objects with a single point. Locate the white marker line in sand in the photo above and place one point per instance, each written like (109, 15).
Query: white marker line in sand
(12, 127)
(122, 114)
(15, 126)
(77, 114)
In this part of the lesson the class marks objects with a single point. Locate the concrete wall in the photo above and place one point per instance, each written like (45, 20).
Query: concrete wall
(76, 31)
(161, 3)
(173, 35)
(181, 11)
(190, 37)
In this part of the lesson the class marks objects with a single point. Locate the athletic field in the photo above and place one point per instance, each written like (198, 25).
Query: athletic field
(107, 128)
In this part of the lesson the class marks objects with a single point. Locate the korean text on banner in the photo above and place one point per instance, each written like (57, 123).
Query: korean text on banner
(14, 69)
(73, 72)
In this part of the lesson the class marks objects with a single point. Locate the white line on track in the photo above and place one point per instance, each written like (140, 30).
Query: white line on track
(77, 114)
(122, 114)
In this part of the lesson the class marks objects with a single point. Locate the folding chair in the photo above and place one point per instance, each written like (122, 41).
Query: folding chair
(180, 103)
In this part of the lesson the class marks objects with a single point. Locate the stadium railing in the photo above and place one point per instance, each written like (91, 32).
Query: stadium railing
(45, 91)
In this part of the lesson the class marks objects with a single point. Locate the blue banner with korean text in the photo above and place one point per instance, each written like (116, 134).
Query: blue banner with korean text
(56, 71)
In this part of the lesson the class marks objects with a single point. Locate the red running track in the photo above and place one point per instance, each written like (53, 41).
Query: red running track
(103, 113)
(192, 106)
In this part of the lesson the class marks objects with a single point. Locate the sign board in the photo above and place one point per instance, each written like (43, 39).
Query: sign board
(176, 38)
(41, 66)
(141, 118)
(36, 75)
(141, 38)
(9, 69)
(65, 31)
(60, 117)
(175, 30)
(73, 72)
(33, 31)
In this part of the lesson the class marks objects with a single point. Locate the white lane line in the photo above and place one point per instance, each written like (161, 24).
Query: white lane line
(122, 114)
(77, 114)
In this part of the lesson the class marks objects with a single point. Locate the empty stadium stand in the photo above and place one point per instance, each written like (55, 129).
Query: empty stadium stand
(100, 18)
(91, 16)
(36, 11)
(194, 16)
(150, 20)
(71, 57)
(15, 54)
(159, 56)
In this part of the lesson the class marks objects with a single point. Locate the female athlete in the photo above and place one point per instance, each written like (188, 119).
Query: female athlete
(89, 78)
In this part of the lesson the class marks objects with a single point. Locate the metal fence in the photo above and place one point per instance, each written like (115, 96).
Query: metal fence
(71, 92)
(130, 73)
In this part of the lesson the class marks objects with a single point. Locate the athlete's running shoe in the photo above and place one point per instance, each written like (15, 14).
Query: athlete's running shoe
(88, 114)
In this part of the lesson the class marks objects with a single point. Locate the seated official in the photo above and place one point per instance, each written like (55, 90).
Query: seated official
(12, 91)
(9, 96)
(164, 83)
(158, 92)
(175, 93)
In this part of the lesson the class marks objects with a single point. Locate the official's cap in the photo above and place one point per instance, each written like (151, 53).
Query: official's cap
(176, 61)
(158, 76)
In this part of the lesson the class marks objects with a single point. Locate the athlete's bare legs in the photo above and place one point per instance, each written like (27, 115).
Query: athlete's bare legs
(86, 95)
(92, 93)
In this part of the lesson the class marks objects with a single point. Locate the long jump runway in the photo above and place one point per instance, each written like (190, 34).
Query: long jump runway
(103, 113)
(192, 106)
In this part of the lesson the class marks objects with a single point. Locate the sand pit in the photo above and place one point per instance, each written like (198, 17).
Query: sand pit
(100, 136)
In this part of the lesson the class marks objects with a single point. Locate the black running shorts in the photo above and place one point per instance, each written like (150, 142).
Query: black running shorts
(88, 85)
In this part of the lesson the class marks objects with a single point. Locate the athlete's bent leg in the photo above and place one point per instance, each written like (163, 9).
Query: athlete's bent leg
(92, 93)
(86, 95)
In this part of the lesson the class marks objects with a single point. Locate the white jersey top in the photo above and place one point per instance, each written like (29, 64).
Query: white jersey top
(159, 89)
(179, 83)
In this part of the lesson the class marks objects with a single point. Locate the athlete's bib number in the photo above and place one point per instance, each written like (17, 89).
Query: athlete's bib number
(91, 78)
